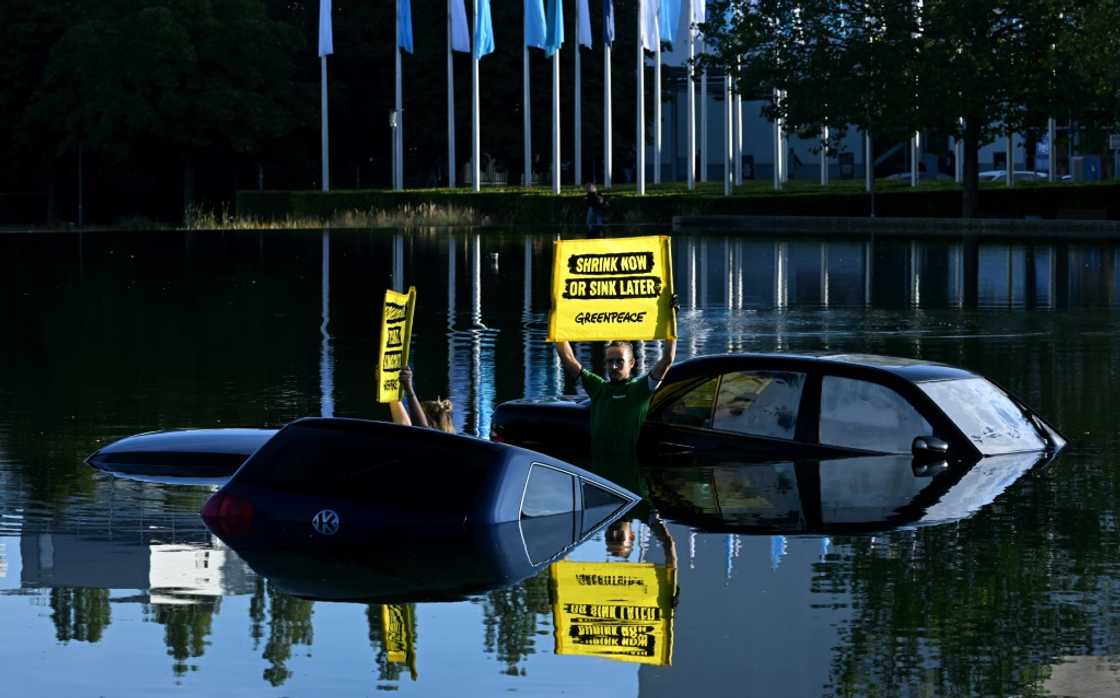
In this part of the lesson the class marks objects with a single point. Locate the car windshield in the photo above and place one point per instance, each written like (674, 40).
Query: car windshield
(986, 415)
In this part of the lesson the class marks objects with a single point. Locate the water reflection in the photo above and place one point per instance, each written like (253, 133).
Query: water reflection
(831, 497)
(121, 333)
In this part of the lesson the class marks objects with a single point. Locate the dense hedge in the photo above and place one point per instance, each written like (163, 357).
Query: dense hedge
(514, 206)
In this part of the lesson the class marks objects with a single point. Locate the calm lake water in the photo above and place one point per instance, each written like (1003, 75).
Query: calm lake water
(113, 587)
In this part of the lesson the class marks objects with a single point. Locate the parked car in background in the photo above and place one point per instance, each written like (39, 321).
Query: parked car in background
(998, 176)
(765, 407)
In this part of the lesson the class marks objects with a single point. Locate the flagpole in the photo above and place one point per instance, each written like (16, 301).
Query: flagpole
(578, 145)
(703, 120)
(728, 128)
(737, 101)
(526, 124)
(657, 100)
(691, 164)
(476, 145)
(556, 121)
(607, 139)
(324, 122)
(640, 175)
(398, 142)
(450, 106)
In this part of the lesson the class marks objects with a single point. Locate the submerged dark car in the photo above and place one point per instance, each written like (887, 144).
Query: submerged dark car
(327, 480)
(765, 407)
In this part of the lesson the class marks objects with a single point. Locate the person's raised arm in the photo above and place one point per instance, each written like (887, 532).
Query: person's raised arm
(419, 418)
(668, 355)
(572, 366)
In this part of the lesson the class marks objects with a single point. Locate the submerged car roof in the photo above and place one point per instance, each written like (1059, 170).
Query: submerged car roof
(913, 370)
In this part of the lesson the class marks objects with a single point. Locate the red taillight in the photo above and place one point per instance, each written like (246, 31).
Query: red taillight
(227, 514)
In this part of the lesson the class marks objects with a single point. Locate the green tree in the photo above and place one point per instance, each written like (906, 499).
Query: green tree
(186, 627)
(79, 614)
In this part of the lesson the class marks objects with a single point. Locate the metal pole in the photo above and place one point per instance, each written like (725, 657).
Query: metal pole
(608, 143)
(640, 155)
(526, 123)
(324, 123)
(1010, 161)
(737, 100)
(476, 145)
(398, 145)
(1052, 161)
(656, 100)
(824, 156)
(691, 164)
(779, 175)
(450, 106)
(728, 138)
(868, 164)
(578, 145)
(703, 121)
(914, 145)
(556, 122)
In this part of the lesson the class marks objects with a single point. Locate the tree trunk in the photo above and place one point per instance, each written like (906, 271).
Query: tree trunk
(970, 196)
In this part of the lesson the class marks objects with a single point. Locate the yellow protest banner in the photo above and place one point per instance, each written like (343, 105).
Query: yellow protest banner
(616, 288)
(396, 336)
(614, 610)
(398, 634)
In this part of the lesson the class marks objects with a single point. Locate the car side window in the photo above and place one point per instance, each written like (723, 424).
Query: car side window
(549, 491)
(759, 403)
(864, 415)
(694, 408)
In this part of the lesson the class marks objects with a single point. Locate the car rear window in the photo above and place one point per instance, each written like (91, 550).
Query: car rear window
(407, 469)
(985, 415)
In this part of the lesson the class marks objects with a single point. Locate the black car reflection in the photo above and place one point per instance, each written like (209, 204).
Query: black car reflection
(378, 565)
(758, 407)
(326, 479)
(832, 496)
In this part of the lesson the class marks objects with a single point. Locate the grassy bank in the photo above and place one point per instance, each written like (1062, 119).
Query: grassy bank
(538, 205)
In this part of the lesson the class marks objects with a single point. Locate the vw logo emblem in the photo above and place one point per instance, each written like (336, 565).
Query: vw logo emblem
(326, 522)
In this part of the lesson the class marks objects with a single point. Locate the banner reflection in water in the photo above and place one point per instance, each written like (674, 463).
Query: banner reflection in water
(620, 611)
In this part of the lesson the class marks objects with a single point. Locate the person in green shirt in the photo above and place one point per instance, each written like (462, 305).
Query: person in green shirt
(619, 402)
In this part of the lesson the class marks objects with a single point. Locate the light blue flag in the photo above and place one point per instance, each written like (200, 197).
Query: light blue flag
(326, 35)
(554, 38)
(404, 25)
(483, 30)
(535, 26)
(608, 22)
(669, 16)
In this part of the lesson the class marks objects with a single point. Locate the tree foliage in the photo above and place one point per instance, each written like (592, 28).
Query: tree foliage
(974, 70)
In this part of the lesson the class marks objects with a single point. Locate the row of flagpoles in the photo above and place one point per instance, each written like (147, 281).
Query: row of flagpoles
(543, 29)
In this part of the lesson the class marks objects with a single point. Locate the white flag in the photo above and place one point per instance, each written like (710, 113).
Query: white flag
(460, 33)
(326, 36)
(650, 9)
(697, 11)
(583, 28)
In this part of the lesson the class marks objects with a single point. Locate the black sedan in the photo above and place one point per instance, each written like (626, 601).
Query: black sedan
(766, 407)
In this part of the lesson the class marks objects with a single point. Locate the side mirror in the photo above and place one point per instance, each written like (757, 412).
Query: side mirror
(929, 448)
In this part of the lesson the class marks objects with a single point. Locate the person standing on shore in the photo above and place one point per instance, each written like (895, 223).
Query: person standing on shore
(597, 208)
